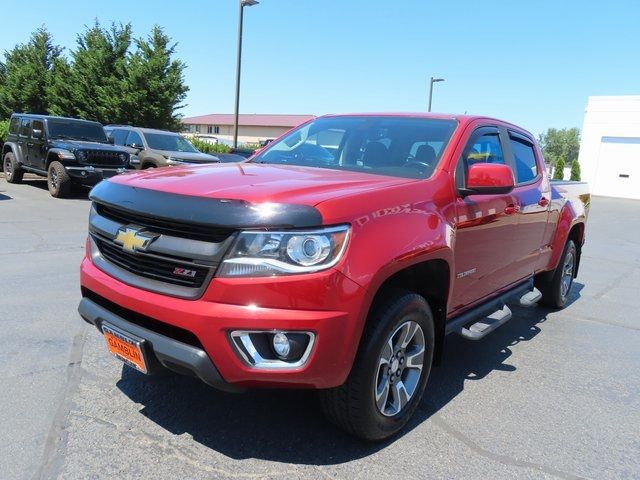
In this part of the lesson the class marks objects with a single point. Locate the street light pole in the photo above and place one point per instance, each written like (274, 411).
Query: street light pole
(433, 80)
(243, 3)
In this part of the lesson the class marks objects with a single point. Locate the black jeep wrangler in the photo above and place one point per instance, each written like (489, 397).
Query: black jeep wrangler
(67, 151)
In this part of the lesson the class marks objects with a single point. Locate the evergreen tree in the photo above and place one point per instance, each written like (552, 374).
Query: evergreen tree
(575, 170)
(95, 87)
(155, 83)
(558, 173)
(26, 74)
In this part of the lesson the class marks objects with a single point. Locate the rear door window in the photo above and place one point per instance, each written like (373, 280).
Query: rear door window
(524, 158)
(14, 126)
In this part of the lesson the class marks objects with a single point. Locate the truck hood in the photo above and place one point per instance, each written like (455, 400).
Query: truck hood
(258, 183)
(73, 145)
(190, 157)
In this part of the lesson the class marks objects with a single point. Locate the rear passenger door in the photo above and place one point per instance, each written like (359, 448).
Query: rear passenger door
(532, 194)
(23, 140)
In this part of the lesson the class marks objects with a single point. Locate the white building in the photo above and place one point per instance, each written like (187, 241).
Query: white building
(610, 146)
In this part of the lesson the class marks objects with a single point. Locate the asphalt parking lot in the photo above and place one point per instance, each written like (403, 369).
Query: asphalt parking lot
(549, 395)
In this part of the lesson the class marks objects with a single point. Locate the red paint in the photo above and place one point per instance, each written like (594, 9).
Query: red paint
(487, 175)
(489, 242)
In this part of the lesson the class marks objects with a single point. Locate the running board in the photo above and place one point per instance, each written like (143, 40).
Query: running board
(483, 319)
(487, 325)
(530, 299)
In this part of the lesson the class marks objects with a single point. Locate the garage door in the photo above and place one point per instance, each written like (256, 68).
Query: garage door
(618, 168)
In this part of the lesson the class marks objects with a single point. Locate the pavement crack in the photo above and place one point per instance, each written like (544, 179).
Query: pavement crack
(503, 459)
(55, 442)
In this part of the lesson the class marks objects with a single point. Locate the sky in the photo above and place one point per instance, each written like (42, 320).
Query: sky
(531, 63)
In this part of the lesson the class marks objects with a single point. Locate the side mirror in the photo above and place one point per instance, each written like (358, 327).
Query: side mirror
(111, 140)
(36, 134)
(489, 179)
(136, 146)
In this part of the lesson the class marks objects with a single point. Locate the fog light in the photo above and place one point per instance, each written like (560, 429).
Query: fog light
(281, 345)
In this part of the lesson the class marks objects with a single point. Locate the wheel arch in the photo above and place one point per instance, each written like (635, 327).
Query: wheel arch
(429, 278)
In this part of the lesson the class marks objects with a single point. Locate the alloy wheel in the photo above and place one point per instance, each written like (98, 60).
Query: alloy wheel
(567, 274)
(399, 369)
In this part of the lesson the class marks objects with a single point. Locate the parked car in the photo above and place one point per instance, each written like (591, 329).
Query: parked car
(338, 258)
(67, 151)
(151, 148)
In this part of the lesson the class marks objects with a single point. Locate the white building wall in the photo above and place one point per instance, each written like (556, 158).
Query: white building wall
(610, 146)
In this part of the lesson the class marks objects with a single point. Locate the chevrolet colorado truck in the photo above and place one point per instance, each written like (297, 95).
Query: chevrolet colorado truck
(67, 151)
(338, 258)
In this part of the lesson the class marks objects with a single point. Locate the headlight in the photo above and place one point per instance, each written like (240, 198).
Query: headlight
(134, 159)
(264, 254)
(122, 157)
(81, 155)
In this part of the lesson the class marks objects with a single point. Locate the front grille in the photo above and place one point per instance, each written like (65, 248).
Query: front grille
(155, 267)
(99, 158)
(165, 227)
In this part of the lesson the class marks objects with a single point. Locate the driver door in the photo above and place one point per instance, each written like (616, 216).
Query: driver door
(486, 225)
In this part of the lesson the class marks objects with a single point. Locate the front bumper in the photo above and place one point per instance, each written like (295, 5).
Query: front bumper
(289, 304)
(169, 353)
(92, 175)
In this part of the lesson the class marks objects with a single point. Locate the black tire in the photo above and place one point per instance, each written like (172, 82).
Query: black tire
(353, 406)
(13, 173)
(58, 180)
(147, 166)
(554, 288)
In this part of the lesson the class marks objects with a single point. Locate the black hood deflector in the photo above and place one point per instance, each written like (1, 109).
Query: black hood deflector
(213, 212)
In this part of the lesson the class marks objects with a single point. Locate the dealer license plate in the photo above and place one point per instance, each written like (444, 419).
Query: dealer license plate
(125, 346)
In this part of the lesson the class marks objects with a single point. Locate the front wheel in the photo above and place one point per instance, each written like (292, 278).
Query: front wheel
(556, 288)
(58, 180)
(390, 371)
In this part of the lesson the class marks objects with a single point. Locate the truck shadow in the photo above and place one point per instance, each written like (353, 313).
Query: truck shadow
(77, 192)
(288, 426)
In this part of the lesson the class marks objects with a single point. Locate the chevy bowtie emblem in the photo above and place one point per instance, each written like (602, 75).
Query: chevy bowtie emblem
(133, 239)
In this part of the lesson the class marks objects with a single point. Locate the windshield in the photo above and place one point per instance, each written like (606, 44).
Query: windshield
(384, 145)
(76, 130)
(169, 142)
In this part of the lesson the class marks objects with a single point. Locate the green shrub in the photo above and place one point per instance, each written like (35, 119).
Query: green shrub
(4, 130)
(575, 171)
(558, 173)
(207, 147)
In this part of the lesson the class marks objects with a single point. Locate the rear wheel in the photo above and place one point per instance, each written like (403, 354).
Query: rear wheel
(13, 173)
(556, 288)
(390, 371)
(58, 180)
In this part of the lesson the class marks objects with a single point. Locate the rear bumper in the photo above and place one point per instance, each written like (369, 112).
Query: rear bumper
(210, 321)
(92, 175)
(162, 350)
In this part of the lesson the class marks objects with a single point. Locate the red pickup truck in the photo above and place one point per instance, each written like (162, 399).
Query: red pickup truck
(338, 258)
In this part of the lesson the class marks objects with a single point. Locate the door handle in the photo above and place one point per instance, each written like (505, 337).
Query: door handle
(29, 144)
(543, 202)
(511, 209)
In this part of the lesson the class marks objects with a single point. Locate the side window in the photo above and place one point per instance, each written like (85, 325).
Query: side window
(14, 126)
(484, 147)
(25, 127)
(119, 136)
(525, 160)
(134, 139)
(38, 125)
